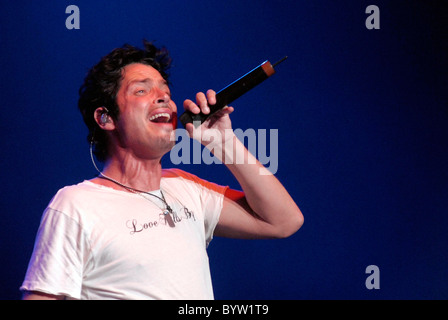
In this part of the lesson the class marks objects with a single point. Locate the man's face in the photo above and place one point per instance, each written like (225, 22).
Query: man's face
(148, 116)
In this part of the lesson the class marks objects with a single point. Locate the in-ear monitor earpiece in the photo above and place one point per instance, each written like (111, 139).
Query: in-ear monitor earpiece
(104, 116)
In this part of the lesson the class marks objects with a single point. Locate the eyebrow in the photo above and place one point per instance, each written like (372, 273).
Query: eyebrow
(147, 80)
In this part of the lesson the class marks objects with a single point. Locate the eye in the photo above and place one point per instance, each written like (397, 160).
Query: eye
(140, 92)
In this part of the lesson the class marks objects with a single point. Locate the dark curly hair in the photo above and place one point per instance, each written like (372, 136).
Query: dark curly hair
(103, 81)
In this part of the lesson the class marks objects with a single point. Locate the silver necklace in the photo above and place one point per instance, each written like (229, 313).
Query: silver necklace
(141, 193)
(165, 211)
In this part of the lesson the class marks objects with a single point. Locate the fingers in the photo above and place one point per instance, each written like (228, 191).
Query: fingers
(210, 122)
(191, 106)
(211, 97)
(224, 111)
(202, 102)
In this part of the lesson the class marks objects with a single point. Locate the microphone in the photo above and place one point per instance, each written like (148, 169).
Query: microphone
(232, 92)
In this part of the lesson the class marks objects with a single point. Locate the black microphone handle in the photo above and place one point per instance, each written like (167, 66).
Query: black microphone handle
(232, 92)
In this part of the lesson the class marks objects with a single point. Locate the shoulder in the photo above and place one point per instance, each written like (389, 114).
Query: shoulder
(190, 178)
(76, 191)
(178, 173)
(80, 195)
(85, 203)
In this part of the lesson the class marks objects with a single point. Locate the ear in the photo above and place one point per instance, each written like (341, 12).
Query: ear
(103, 119)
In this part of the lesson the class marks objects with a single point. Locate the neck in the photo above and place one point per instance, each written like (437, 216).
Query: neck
(135, 173)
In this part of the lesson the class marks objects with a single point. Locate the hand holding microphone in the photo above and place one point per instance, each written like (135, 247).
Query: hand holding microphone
(232, 92)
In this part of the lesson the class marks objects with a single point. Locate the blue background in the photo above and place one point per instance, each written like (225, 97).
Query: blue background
(361, 118)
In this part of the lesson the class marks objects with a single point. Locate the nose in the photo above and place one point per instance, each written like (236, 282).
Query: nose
(162, 97)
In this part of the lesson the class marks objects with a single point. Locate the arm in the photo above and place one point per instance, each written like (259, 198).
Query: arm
(264, 209)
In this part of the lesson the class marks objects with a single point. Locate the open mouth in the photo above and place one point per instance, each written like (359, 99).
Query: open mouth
(162, 117)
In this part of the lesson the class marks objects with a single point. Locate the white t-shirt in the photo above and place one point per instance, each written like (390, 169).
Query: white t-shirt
(95, 242)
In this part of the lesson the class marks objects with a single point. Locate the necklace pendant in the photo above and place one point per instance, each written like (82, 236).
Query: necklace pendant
(166, 212)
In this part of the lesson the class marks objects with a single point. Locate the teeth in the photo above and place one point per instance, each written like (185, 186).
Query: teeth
(158, 115)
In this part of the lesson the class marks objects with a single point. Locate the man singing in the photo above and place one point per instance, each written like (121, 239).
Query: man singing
(137, 231)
